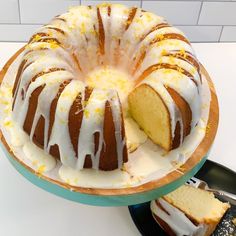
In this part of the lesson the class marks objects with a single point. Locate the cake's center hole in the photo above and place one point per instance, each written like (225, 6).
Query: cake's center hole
(110, 78)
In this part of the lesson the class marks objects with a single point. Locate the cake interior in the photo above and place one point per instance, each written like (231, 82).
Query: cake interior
(200, 205)
(150, 112)
(188, 211)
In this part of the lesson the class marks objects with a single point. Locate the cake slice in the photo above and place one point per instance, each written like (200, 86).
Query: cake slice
(188, 211)
(165, 123)
(150, 112)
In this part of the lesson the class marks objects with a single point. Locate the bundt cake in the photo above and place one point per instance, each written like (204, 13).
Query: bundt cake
(89, 68)
(188, 211)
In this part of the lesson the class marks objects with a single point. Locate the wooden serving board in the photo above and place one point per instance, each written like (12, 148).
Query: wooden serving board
(129, 195)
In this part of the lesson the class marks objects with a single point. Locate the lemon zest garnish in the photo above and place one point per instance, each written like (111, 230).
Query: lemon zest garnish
(41, 169)
(8, 123)
(163, 52)
(86, 113)
(37, 37)
(99, 111)
(159, 36)
(183, 53)
(53, 45)
(82, 28)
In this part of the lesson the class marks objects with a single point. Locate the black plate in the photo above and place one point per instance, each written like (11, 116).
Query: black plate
(217, 176)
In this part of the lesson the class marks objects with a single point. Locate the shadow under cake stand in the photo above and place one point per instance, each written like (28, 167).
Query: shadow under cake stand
(122, 196)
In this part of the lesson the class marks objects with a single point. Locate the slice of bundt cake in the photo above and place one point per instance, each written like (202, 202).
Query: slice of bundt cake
(188, 211)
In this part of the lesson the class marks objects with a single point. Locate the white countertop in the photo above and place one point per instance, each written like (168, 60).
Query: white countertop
(26, 210)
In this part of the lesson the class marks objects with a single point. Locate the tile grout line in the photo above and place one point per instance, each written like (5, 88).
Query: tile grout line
(221, 33)
(19, 11)
(200, 10)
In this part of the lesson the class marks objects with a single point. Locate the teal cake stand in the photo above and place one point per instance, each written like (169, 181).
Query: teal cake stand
(100, 200)
(124, 196)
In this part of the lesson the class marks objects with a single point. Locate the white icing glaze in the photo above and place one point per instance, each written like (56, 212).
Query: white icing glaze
(110, 179)
(42, 161)
(18, 137)
(60, 130)
(177, 220)
(91, 123)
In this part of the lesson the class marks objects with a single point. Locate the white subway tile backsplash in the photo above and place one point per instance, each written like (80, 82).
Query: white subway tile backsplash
(16, 32)
(201, 20)
(228, 34)
(218, 13)
(128, 3)
(41, 11)
(202, 33)
(9, 12)
(176, 12)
